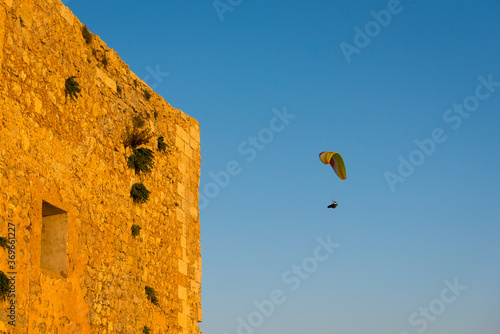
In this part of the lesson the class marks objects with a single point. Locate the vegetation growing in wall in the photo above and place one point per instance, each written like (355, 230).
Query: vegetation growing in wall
(136, 229)
(151, 293)
(4, 242)
(162, 146)
(4, 286)
(139, 193)
(137, 135)
(87, 35)
(138, 122)
(146, 330)
(104, 60)
(147, 94)
(72, 88)
(142, 160)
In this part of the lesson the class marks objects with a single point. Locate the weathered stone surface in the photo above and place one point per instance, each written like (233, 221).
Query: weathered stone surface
(70, 154)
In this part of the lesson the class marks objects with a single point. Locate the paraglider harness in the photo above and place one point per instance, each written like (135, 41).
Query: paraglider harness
(333, 205)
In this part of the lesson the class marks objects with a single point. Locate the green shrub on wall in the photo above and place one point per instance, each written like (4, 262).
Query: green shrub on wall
(151, 294)
(72, 88)
(136, 229)
(162, 146)
(4, 286)
(87, 35)
(147, 94)
(142, 160)
(139, 193)
(4, 242)
(137, 135)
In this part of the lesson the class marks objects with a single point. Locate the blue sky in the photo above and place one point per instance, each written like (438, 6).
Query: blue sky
(417, 228)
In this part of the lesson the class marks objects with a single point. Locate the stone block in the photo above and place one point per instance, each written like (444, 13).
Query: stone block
(181, 190)
(200, 314)
(67, 14)
(183, 320)
(179, 143)
(186, 309)
(182, 292)
(106, 79)
(38, 106)
(194, 131)
(181, 133)
(183, 268)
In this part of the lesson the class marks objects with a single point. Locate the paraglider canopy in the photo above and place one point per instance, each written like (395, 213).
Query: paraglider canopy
(336, 161)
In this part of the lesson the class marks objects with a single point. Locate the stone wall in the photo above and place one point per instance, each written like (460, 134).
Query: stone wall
(75, 266)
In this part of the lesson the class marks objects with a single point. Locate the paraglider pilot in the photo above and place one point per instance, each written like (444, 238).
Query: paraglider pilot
(333, 205)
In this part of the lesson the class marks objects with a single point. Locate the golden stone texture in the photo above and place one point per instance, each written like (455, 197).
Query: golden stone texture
(70, 154)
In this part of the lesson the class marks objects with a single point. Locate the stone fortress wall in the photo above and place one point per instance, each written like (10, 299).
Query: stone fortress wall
(72, 263)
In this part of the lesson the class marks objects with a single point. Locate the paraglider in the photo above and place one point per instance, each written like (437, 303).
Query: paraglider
(335, 160)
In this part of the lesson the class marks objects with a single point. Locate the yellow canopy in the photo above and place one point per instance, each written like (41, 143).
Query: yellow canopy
(336, 161)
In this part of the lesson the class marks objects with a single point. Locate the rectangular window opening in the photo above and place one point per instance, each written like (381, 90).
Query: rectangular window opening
(54, 240)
